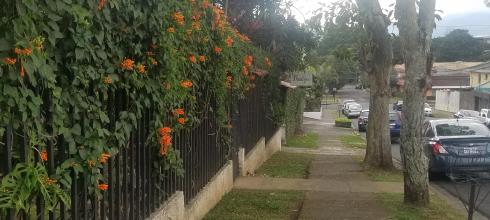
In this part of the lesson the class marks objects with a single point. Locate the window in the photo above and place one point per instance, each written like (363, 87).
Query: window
(462, 129)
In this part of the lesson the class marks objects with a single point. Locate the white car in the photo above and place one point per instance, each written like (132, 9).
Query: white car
(353, 110)
(344, 104)
(484, 113)
(427, 110)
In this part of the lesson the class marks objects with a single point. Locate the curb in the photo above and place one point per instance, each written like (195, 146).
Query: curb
(449, 198)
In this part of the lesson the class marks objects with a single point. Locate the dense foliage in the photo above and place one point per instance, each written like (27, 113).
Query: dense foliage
(459, 45)
(62, 62)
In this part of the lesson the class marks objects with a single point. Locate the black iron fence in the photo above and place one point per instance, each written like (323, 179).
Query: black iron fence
(138, 185)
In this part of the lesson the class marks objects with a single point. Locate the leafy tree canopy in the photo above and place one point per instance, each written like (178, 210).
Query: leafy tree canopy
(459, 45)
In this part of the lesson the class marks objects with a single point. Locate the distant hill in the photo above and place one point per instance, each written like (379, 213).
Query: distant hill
(478, 23)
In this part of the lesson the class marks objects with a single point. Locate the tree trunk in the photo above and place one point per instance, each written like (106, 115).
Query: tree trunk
(378, 64)
(415, 35)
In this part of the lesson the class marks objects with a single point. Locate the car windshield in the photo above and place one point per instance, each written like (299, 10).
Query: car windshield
(469, 113)
(365, 114)
(355, 107)
(399, 102)
(462, 129)
(393, 117)
(426, 105)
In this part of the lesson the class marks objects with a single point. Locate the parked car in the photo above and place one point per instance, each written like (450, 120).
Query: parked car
(395, 126)
(456, 145)
(344, 104)
(463, 113)
(484, 113)
(427, 110)
(363, 120)
(397, 106)
(353, 110)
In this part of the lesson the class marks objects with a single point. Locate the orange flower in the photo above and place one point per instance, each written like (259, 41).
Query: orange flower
(107, 80)
(127, 64)
(248, 60)
(9, 61)
(202, 58)
(179, 18)
(90, 163)
(179, 111)
(164, 131)
(163, 150)
(101, 5)
(196, 25)
(245, 71)
(171, 30)
(229, 41)
(229, 80)
(192, 58)
(186, 83)
(22, 70)
(205, 4)
(268, 62)
(166, 140)
(181, 121)
(103, 187)
(217, 50)
(140, 69)
(25, 52)
(44, 155)
(104, 157)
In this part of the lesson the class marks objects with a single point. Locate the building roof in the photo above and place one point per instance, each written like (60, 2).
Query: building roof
(464, 71)
(450, 82)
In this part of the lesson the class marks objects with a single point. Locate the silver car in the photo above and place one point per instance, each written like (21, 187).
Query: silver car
(353, 110)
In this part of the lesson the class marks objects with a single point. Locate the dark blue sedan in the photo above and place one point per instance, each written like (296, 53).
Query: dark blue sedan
(395, 126)
(457, 146)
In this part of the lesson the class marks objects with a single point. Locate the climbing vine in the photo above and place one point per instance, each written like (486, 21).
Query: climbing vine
(62, 61)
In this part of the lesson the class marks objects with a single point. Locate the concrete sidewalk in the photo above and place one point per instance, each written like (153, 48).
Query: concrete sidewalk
(336, 187)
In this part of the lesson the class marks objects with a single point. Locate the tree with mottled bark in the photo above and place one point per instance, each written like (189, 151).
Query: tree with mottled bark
(377, 60)
(415, 23)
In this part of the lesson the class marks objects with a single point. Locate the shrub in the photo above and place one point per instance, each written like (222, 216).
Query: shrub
(343, 122)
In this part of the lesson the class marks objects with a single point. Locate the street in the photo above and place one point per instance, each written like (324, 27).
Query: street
(460, 190)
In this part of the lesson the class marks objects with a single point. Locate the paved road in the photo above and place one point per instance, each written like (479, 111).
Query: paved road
(460, 190)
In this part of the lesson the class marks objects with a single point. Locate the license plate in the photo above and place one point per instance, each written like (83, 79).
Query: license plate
(471, 150)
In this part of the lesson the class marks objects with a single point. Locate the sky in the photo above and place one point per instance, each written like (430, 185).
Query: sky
(449, 7)
(472, 15)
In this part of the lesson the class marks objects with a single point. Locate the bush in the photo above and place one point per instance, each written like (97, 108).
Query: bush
(343, 122)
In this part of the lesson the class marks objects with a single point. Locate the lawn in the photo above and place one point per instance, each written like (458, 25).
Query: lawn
(250, 204)
(308, 140)
(381, 175)
(437, 210)
(353, 141)
(286, 165)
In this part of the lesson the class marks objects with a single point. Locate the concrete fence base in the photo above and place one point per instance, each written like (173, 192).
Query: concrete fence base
(175, 209)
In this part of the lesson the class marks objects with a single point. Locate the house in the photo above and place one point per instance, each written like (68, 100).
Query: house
(456, 89)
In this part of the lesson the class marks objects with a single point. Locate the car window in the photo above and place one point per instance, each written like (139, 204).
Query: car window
(462, 129)
(355, 107)
(426, 105)
(365, 114)
(428, 132)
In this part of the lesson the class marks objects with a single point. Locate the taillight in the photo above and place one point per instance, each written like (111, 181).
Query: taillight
(437, 148)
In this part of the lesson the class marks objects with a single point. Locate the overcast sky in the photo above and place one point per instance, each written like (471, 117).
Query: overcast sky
(306, 7)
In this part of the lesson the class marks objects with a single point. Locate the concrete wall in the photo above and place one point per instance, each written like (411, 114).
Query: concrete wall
(172, 209)
(219, 185)
(447, 100)
(208, 197)
(259, 154)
